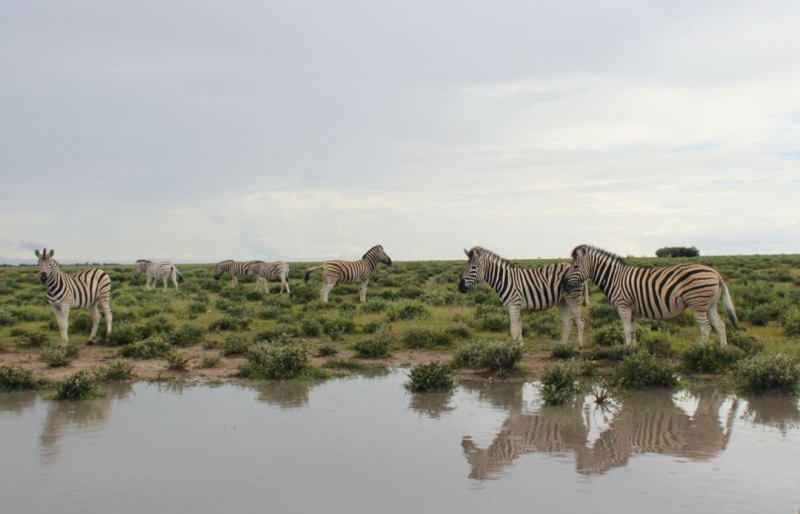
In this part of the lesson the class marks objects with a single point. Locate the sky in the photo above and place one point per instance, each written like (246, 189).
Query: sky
(197, 131)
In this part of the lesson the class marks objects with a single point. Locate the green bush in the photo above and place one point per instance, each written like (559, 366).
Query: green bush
(279, 363)
(235, 345)
(430, 377)
(186, 335)
(17, 378)
(559, 382)
(544, 323)
(310, 327)
(750, 345)
(791, 323)
(81, 385)
(37, 340)
(228, 322)
(196, 308)
(408, 310)
(765, 372)
(120, 369)
(326, 350)
(640, 370)
(124, 334)
(373, 307)
(177, 361)
(277, 334)
(603, 314)
(493, 357)
(375, 347)
(563, 351)
(336, 327)
(426, 338)
(707, 357)
(374, 326)
(611, 334)
(210, 361)
(151, 348)
(59, 356)
(658, 343)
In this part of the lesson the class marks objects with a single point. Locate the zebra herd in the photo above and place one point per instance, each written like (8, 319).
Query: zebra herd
(657, 293)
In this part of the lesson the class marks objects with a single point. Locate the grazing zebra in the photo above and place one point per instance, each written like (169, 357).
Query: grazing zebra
(658, 293)
(83, 289)
(349, 272)
(158, 270)
(236, 269)
(265, 271)
(520, 289)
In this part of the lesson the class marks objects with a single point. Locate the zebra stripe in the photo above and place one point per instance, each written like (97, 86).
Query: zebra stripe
(235, 269)
(659, 293)
(83, 289)
(349, 272)
(157, 271)
(266, 271)
(521, 289)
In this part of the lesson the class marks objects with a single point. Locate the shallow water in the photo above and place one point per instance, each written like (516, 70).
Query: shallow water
(365, 445)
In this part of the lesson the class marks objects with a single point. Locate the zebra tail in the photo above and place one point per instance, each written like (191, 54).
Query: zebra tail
(585, 294)
(180, 277)
(309, 271)
(726, 297)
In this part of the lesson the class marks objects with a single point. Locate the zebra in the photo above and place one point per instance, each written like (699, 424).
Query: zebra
(158, 270)
(657, 293)
(520, 289)
(236, 269)
(349, 272)
(83, 289)
(268, 270)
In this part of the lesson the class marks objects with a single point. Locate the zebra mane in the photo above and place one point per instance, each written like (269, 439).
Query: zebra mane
(599, 251)
(493, 257)
(371, 250)
(225, 261)
(143, 260)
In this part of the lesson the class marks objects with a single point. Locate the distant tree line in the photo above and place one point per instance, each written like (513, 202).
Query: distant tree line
(678, 251)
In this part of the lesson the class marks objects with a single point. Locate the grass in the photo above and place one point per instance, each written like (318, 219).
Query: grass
(768, 372)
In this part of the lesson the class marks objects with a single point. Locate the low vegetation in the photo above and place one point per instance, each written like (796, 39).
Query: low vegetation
(768, 372)
(430, 377)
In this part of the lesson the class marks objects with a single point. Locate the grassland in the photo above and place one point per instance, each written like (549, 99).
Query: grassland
(415, 314)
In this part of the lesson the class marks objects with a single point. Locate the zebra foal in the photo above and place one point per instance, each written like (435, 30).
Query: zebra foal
(264, 271)
(83, 289)
(157, 271)
(349, 272)
(521, 289)
(657, 293)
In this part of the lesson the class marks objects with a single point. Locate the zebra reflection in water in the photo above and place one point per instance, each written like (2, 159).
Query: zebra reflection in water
(643, 422)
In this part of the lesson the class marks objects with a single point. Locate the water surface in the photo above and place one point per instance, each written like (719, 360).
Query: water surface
(365, 445)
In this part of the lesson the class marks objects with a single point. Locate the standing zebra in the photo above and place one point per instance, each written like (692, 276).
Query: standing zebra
(83, 289)
(236, 269)
(265, 271)
(658, 293)
(520, 289)
(158, 271)
(349, 272)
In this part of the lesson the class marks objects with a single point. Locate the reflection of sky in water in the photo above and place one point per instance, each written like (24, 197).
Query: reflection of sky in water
(366, 445)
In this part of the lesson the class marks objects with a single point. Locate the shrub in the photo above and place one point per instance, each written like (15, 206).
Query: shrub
(210, 361)
(374, 326)
(177, 361)
(430, 377)
(186, 335)
(559, 383)
(563, 351)
(658, 342)
(373, 307)
(791, 323)
(310, 327)
(705, 357)
(326, 350)
(611, 334)
(235, 345)
(678, 251)
(460, 330)
(37, 340)
(120, 369)
(603, 314)
(764, 372)
(228, 322)
(493, 357)
(408, 310)
(279, 363)
(336, 327)
(81, 385)
(124, 334)
(375, 347)
(59, 356)
(425, 338)
(278, 334)
(17, 378)
(151, 348)
(196, 308)
(544, 323)
(750, 345)
(641, 369)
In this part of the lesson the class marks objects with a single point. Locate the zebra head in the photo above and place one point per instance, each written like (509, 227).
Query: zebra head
(47, 265)
(221, 268)
(141, 265)
(379, 255)
(473, 271)
(578, 270)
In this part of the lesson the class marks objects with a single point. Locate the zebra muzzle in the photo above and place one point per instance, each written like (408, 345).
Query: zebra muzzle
(462, 286)
(43, 277)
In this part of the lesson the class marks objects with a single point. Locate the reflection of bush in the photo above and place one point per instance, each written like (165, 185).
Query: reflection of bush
(431, 405)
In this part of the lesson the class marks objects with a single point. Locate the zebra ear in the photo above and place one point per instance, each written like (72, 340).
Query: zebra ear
(465, 251)
(38, 254)
(51, 253)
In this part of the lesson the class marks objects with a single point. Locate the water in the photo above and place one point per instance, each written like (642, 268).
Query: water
(365, 445)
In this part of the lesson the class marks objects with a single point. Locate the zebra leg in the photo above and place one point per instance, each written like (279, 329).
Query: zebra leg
(516, 323)
(105, 304)
(702, 322)
(164, 280)
(284, 284)
(62, 328)
(566, 326)
(718, 325)
(577, 315)
(628, 325)
(266, 285)
(362, 291)
(175, 280)
(95, 314)
(235, 281)
(325, 291)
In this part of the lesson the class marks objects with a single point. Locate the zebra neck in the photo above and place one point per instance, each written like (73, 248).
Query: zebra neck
(495, 276)
(54, 281)
(603, 273)
(371, 261)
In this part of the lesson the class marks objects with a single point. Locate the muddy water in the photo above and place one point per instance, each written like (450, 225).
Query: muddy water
(365, 445)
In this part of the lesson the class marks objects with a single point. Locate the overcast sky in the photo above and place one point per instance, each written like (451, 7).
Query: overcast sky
(203, 130)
